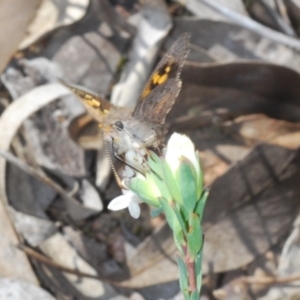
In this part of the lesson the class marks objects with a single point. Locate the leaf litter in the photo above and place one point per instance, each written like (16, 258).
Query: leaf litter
(240, 105)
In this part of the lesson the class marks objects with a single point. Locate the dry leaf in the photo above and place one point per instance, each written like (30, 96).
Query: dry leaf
(203, 11)
(18, 289)
(50, 125)
(235, 290)
(13, 25)
(10, 122)
(52, 15)
(34, 230)
(252, 88)
(20, 110)
(293, 11)
(266, 13)
(227, 42)
(12, 119)
(289, 265)
(152, 257)
(250, 208)
(90, 51)
(260, 128)
(61, 252)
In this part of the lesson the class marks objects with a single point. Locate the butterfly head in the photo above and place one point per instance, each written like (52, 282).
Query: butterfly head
(128, 133)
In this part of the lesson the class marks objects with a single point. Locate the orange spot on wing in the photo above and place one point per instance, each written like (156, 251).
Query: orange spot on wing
(156, 79)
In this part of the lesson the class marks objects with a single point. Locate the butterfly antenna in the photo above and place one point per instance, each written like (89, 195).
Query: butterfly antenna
(118, 179)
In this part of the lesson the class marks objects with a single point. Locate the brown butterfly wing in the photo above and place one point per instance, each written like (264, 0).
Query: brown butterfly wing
(164, 84)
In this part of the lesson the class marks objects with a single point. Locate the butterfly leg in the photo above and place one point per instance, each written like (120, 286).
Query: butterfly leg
(117, 177)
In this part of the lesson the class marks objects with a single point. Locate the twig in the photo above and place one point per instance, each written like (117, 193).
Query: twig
(271, 280)
(244, 22)
(282, 10)
(48, 261)
(36, 173)
(265, 281)
(277, 19)
(105, 11)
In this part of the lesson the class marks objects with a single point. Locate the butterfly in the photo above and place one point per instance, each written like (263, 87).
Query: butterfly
(142, 128)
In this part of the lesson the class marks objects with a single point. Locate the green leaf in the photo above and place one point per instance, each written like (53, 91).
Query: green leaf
(199, 209)
(160, 185)
(195, 296)
(183, 277)
(198, 270)
(194, 236)
(156, 212)
(144, 190)
(181, 221)
(155, 164)
(186, 181)
(185, 214)
(170, 215)
(173, 222)
(154, 157)
(179, 242)
(178, 234)
(200, 179)
(171, 182)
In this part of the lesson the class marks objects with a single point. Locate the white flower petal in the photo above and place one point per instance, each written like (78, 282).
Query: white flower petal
(132, 196)
(128, 172)
(119, 203)
(134, 159)
(180, 145)
(134, 210)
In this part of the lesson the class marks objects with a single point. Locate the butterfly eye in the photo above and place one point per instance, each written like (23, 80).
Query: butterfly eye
(119, 125)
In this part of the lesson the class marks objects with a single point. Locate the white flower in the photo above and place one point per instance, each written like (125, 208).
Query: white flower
(179, 146)
(150, 187)
(128, 172)
(128, 199)
(135, 159)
